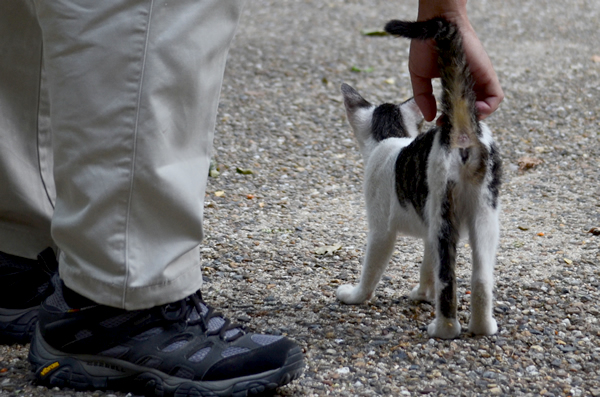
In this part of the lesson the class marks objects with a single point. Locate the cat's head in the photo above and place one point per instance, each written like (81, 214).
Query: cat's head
(383, 121)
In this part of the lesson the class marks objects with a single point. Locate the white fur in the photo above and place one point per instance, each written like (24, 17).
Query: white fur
(387, 218)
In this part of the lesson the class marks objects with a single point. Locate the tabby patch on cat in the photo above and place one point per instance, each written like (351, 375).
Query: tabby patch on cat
(438, 185)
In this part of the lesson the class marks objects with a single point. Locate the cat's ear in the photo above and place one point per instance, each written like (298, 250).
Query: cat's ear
(352, 99)
(411, 106)
(412, 117)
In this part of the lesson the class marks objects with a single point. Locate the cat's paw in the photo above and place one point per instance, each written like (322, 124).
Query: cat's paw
(444, 328)
(487, 326)
(350, 294)
(422, 294)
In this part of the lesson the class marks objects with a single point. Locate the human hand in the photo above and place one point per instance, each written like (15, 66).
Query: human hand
(423, 68)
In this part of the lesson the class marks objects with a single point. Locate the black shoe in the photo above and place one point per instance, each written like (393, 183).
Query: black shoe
(181, 349)
(24, 284)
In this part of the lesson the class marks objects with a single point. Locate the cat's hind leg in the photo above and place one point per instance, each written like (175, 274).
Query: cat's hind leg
(443, 237)
(446, 324)
(380, 245)
(483, 238)
(425, 291)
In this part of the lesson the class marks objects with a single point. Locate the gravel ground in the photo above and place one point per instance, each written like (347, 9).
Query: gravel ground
(281, 118)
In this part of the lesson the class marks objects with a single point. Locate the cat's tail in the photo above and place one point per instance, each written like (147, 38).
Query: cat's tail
(458, 98)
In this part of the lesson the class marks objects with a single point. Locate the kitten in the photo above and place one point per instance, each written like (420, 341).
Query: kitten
(437, 185)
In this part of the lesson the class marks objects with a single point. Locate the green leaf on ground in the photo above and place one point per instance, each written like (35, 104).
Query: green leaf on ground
(244, 171)
(356, 69)
(373, 32)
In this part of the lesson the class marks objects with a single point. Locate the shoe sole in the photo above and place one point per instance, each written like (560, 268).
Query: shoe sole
(86, 372)
(17, 325)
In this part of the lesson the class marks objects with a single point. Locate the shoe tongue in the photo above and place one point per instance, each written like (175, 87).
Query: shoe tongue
(194, 315)
(215, 323)
(70, 297)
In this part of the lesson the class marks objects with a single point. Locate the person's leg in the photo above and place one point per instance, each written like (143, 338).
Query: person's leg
(134, 88)
(26, 184)
(27, 187)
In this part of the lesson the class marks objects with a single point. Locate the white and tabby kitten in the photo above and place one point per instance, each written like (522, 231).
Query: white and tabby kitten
(438, 185)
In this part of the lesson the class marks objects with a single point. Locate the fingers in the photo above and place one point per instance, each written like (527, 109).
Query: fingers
(422, 65)
(423, 68)
(488, 106)
(488, 91)
(423, 93)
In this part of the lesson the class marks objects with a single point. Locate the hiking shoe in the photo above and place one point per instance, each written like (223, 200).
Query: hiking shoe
(24, 284)
(180, 349)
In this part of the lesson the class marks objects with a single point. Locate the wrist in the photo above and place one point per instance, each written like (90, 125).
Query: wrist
(453, 10)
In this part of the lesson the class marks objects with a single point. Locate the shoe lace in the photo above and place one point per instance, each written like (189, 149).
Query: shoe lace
(194, 311)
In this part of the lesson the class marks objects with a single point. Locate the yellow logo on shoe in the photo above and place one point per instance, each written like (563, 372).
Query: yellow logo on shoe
(49, 368)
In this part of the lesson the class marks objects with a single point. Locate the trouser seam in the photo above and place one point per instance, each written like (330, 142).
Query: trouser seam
(134, 150)
(40, 85)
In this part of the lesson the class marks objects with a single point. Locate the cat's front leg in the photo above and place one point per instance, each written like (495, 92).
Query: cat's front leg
(425, 291)
(380, 245)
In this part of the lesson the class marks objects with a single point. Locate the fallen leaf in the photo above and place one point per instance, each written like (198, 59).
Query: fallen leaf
(541, 234)
(595, 231)
(526, 163)
(390, 81)
(328, 249)
(356, 69)
(214, 173)
(249, 196)
(568, 261)
(523, 228)
(374, 32)
(220, 193)
(244, 171)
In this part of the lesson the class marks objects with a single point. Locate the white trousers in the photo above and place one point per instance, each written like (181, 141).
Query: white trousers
(107, 112)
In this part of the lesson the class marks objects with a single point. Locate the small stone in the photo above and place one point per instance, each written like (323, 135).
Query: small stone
(532, 370)
(537, 348)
